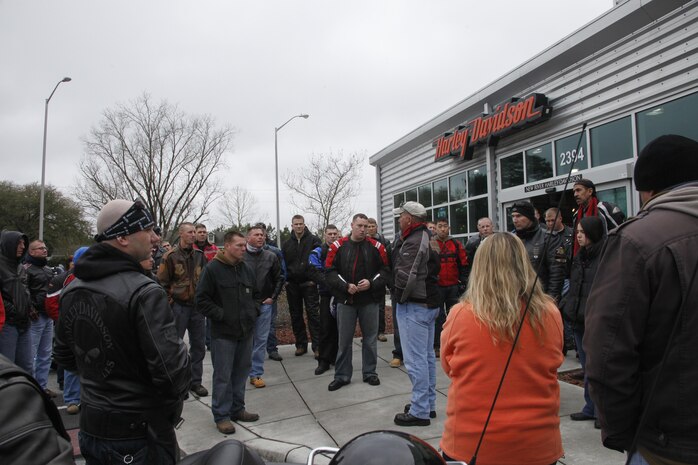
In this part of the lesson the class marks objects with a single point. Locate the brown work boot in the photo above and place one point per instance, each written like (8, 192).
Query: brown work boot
(226, 427)
(244, 415)
(257, 382)
(72, 409)
(301, 351)
(395, 362)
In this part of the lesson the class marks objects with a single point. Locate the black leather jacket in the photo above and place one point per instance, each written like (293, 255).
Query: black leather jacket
(38, 278)
(296, 253)
(267, 271)
(117, 330)
(13, 280)
(552, 271)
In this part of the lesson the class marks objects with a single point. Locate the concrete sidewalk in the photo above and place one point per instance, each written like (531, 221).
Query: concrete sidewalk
(298, 413)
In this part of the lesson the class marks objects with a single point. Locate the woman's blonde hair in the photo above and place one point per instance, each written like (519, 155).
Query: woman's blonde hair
(499, 286)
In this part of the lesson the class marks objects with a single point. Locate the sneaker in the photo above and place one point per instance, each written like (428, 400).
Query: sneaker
(373, 380)
(50, 393)
(382, 338)
(432, 413)
(244, 415)
(301, 351)
(405, 419)
(72, 409)
(396, 362)
(275, 356)
(199, 390)
(225, 427)
(257, 382)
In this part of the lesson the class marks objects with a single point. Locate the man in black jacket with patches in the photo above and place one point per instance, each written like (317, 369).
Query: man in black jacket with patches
(116, 329)
(300, 287)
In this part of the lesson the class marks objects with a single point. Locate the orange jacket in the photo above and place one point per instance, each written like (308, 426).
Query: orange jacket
(525, 425)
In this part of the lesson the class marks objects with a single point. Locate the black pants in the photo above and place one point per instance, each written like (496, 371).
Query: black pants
(381, 316)
(397, 350)
(297, 295)
(449, 298)
(329, 339)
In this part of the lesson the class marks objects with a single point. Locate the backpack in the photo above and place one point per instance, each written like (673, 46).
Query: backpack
(31, 430)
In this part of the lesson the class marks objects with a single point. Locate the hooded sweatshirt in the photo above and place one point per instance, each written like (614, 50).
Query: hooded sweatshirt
(13, 280)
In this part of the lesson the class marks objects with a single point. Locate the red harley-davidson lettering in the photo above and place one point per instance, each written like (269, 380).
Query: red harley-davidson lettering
(506, 118)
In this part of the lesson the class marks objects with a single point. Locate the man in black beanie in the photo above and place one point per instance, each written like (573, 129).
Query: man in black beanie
(527, 228)
(642, 306)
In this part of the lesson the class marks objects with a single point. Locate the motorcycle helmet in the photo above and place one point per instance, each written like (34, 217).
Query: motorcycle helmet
(387, 448)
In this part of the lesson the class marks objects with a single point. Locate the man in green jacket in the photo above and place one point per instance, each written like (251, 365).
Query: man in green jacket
(225, 294)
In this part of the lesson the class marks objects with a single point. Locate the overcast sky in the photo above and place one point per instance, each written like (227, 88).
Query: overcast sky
(367, 72)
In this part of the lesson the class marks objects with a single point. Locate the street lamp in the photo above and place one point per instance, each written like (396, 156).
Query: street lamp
(276, 171)
(43, 163)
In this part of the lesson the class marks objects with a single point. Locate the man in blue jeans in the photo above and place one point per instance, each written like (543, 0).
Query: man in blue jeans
(226, 295)
(416, 272)
(179, 274)
(268, 284)
(39, 276)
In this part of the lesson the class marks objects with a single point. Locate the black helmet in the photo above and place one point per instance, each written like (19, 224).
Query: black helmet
(387, 448)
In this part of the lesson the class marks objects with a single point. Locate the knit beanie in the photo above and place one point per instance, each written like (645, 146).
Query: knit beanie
(526, 209)
(593, 228)
(665, 162)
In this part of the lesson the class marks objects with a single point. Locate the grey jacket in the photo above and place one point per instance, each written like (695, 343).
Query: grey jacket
(416, 267)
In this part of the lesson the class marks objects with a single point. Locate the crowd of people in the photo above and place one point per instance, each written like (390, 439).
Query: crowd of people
(618, 292)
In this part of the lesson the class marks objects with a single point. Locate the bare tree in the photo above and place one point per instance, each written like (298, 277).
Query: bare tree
(155, 152)
(326, 187)
(237, 207)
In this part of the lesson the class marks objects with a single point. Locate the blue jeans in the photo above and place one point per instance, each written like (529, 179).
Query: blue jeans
(188, 319)
(588, 403)
(259, 341)
(271, 340)
(71, 383)
(231, 366)
(42, 346)
(346, 324)
(16, 344)
(638, 459)
(97, 451)
(417, 331)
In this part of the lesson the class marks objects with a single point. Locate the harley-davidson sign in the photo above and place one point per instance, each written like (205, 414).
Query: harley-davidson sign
(507, 117)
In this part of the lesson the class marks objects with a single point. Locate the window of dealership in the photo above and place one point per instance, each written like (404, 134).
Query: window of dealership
(463, 198)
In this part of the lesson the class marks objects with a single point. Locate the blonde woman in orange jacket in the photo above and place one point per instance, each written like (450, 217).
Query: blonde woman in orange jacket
(475, 343)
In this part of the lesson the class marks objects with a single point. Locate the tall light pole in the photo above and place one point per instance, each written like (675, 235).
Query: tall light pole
(43, 162)
(276, 171)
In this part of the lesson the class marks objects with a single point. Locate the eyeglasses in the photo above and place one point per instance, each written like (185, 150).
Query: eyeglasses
(40, 248)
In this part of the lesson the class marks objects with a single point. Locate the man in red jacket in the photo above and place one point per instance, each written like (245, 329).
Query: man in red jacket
(453, 276)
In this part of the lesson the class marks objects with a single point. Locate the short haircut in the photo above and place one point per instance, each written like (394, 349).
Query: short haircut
(200, 226)
(484, 218)
(440, 220)
(553, 210)
(429, 221)
(36, 241)
(372, 221)
(232, 234)
(297, 217)
(331, 226)
(252, 228)
(186, 223)
(357, 216)
(261, 226)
